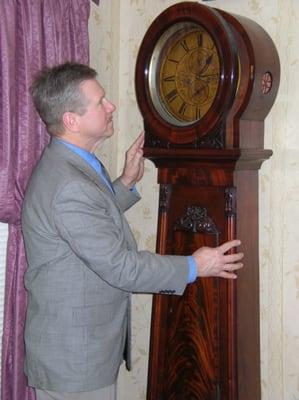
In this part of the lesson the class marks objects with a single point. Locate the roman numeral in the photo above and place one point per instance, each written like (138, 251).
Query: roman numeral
(172, 60)
(209, 59)
(199, 39)
(183, 108)
(169, 78)
(197, 113)
(171, 95)
(184, 45)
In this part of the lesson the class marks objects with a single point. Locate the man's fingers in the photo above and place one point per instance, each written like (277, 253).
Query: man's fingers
(137, 159)
(225, 247)
(231, 258)
(227, 275)
(141, 170)
(137, 144)
(226, 272)
(232, 267)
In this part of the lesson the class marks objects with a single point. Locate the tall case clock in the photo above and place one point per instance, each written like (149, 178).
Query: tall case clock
(205, 81)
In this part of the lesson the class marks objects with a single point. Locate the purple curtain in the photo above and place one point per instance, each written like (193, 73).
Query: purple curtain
(33, 34)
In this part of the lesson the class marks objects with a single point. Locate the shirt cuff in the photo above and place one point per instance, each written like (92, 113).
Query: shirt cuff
(192, 269)
(134, 190)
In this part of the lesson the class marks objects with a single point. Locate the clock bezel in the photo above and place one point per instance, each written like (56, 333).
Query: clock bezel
(170, 37)
(221, 34)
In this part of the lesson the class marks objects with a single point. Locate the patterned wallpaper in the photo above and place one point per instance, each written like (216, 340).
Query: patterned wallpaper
(116, 30)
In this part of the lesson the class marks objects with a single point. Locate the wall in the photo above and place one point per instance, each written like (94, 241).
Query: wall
(116, 30)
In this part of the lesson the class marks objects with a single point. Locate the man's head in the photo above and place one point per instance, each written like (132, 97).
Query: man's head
(70, 100)
(56, 90)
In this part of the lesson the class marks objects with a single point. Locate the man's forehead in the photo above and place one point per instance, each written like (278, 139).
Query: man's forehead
(92, 87)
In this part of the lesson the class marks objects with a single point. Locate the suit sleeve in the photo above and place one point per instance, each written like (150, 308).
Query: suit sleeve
(95, 230)
(125, 197)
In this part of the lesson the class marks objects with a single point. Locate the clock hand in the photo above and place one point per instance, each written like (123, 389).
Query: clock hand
(197, 92)
(208, 78)
(205, 67)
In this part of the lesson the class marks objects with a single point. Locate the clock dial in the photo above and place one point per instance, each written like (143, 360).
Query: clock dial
(187, 70)
(189, 76)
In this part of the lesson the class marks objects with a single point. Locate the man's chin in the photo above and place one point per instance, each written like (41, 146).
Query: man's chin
(110, 132)
(107, 135)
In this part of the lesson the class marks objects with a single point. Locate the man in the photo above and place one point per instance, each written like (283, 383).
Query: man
(82, 257)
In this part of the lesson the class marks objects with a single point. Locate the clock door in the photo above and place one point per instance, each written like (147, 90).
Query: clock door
(192, 351)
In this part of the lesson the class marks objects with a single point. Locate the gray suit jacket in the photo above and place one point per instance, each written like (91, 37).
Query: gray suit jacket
(82, 266)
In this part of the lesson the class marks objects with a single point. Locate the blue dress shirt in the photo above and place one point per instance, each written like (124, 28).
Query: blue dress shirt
(91, 159)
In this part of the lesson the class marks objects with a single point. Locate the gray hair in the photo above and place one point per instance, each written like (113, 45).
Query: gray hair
(56, 90)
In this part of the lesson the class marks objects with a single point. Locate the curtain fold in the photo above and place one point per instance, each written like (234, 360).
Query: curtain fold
(33, 34)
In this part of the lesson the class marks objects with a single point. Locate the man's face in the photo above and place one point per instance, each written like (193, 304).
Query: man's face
(96, 124)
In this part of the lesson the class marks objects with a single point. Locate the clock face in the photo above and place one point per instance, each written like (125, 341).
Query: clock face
(184, 74)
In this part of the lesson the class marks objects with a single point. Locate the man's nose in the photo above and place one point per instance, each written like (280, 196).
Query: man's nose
(110, 107)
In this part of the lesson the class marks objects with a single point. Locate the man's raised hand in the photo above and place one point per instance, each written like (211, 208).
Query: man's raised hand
(134, 164)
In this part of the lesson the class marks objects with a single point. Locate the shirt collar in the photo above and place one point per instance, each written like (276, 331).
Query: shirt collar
(90, 158)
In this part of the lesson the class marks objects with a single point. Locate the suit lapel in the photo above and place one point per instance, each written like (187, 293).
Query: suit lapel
(58, 149)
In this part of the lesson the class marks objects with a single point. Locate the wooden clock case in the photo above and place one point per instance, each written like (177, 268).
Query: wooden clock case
(206, 344)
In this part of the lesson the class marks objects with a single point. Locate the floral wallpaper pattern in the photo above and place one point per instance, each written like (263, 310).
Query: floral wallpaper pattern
(116, 30)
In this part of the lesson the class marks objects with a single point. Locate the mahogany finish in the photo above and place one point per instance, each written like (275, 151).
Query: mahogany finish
(229, 71)
(205, 344)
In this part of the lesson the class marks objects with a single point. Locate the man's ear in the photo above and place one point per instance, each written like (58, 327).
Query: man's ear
(70, 121)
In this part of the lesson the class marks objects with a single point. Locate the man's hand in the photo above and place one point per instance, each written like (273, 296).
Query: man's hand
(214, 262)
(134, 164)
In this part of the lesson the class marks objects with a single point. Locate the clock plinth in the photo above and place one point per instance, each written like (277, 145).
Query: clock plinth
(205, 344)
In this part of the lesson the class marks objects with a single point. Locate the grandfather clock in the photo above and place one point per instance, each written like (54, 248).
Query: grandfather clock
(205, 81)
